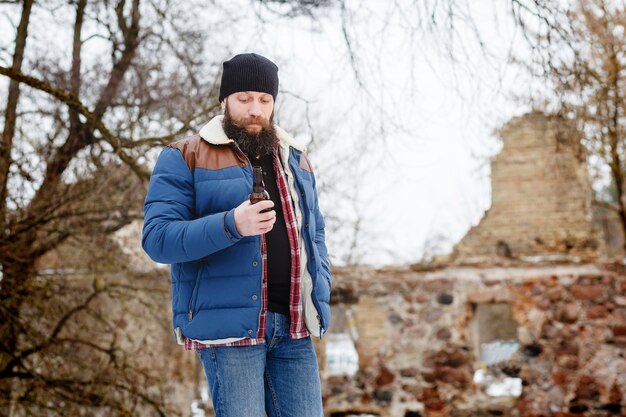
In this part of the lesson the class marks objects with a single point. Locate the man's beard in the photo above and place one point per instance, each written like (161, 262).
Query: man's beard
(258, 144)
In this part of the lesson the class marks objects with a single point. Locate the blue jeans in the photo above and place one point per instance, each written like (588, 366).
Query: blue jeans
(280, 378)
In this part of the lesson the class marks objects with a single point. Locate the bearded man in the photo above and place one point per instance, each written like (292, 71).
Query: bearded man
(250, 283)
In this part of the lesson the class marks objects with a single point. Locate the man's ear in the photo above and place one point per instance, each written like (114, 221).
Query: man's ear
(223, 104)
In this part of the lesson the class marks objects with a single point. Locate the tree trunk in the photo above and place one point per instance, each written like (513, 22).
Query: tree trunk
(616, 163)
(14, 276)
(13, 293)
(618, 177)
(10, 115)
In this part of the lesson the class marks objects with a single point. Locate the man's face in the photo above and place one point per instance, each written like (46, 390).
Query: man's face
(250, 110)
(248, 120)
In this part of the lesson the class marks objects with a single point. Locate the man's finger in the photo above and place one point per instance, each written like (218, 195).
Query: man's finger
(265, 217)
(263, 205)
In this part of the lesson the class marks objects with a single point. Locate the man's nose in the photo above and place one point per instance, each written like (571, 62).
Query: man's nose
(255, 109)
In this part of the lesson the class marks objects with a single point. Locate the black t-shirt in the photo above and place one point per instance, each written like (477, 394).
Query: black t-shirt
(277, 240)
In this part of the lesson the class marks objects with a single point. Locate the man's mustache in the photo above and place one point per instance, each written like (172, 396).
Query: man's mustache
(245, 121)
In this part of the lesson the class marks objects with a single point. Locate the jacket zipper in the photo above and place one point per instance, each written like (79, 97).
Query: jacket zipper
(244, 157)
(194, 294)
(262, 277)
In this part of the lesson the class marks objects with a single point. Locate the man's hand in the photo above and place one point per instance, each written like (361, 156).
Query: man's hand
(249, 220)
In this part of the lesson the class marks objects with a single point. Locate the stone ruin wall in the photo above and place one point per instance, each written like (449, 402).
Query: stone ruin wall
(417, 334)
(607, 222)
(541, 196)
(142, 318)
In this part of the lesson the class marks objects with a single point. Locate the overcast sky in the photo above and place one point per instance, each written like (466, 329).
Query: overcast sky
(426, 174)
(422, 123)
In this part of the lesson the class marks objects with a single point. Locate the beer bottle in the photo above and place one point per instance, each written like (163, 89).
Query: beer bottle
(259, 193)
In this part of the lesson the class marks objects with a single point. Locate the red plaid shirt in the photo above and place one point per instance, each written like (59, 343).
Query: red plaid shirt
(297, 328)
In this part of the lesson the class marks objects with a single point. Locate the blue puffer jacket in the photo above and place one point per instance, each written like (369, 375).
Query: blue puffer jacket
(217, 273)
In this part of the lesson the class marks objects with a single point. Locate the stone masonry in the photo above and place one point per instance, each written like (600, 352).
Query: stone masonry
(541, 196)
(417, 333)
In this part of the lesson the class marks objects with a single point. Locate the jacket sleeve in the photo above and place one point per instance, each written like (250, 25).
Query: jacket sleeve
(171, 233)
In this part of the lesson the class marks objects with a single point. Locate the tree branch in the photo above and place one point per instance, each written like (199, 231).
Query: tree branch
(131, 42)
(76, 63)
(73, 102)
(16, 360)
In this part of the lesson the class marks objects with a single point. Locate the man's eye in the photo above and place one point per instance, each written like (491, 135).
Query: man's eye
(243, 100)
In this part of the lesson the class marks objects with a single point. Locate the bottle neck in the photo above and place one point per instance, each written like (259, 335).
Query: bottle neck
(257, 175)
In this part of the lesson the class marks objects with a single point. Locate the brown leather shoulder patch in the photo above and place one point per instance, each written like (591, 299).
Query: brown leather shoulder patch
(304, 163)
(198, 153)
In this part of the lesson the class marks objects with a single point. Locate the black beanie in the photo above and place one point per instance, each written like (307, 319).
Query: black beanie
(249, 72)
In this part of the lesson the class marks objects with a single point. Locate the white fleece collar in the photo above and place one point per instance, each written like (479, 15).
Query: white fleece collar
(213, 133)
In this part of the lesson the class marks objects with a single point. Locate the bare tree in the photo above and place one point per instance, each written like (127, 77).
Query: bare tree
(71, 169)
